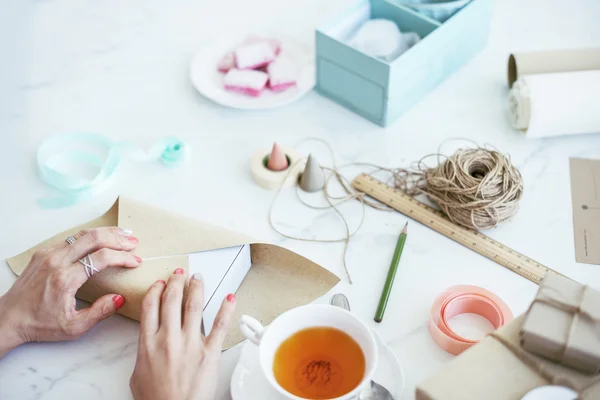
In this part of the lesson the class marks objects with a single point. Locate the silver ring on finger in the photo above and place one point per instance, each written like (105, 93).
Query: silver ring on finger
(88, 265)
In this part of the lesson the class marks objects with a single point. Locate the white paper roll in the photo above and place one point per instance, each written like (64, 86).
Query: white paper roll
(273, 179)
(555, 104)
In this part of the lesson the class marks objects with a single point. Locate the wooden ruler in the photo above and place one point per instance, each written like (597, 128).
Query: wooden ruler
(436, 220)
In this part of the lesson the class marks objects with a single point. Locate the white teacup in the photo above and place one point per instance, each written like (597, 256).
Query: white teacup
(270, 338)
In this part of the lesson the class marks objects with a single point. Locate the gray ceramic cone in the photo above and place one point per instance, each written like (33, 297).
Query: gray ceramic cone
(312, 179)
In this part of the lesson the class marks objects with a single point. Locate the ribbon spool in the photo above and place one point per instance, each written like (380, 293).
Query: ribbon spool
(463, 299)
(274, 179)
(75, 148)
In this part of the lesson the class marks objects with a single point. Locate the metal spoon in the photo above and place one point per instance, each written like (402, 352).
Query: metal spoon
(340, 300)
(376, 392)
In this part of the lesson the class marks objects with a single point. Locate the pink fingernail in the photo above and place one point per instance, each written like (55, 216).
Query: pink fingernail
(133, 239)
(179, 271)
(231, 297)
(138, 259)
(161, 281)
(118, 301)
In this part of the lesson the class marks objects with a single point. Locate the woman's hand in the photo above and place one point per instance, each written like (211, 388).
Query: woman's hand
(40, 306)
(175, 361)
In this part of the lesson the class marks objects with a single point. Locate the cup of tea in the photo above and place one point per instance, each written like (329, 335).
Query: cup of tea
(314, 352)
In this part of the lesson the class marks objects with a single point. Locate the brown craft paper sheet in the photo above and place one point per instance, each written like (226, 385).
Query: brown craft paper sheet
(585, 200)
(278, 280)
(491, 371)
(541, 62)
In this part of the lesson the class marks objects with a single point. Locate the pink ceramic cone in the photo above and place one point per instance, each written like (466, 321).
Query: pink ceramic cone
(277, 160)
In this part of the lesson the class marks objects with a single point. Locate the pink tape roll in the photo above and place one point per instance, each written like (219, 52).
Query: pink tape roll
(463, 299)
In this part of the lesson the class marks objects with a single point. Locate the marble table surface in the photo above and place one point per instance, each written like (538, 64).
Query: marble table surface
(120, 68)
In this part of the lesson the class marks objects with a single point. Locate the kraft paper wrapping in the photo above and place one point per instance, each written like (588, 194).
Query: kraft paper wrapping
(278, 280)
(555, 104)
(572, 338)
(490, 371)
(541, 62)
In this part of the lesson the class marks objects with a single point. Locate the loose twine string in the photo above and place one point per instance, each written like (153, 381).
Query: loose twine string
(477, 188)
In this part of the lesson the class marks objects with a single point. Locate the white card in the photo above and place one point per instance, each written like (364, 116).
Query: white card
(223, 271)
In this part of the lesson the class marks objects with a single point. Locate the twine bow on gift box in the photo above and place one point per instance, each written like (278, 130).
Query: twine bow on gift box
(568, 296)
(576, 309)
(572, 308)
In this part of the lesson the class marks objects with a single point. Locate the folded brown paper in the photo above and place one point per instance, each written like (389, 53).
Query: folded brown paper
(498, 369)
(563, 324)
(278, 280)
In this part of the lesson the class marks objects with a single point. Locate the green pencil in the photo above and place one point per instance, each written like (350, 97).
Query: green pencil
(387, 288)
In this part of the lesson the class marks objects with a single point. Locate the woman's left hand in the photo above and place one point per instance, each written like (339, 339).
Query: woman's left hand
(40, 306)
(175, 360)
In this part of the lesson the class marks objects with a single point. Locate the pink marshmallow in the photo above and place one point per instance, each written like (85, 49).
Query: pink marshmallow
(282, 74)
(254, 55)
(248, 82)
(227, 62)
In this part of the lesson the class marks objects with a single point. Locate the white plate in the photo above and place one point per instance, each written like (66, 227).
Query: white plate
(249, 383)
(209, 81)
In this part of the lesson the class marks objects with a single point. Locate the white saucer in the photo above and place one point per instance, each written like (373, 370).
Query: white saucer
(551, 392)
(209, 81)
(249, 383)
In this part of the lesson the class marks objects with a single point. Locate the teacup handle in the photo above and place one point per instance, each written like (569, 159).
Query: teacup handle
(251, 328)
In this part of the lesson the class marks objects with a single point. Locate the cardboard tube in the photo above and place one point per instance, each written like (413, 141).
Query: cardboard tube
(542, 62)
(462, 299)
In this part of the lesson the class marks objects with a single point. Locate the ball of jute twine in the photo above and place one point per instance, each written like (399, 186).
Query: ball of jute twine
(476, 188)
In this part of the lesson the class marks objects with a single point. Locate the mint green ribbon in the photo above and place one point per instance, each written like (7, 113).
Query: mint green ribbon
(77, 148)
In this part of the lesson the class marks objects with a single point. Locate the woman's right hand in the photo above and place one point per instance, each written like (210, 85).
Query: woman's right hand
(175, 361)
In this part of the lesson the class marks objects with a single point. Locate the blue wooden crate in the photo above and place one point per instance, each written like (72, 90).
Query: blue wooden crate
(382, 91)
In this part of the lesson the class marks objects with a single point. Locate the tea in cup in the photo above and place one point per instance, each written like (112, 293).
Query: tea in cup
(314, 352)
